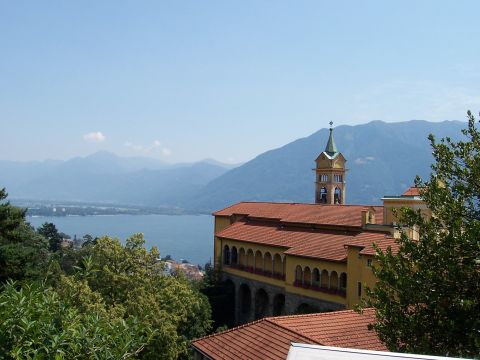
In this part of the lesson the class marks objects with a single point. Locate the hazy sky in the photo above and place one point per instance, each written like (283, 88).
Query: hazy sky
(186, 80)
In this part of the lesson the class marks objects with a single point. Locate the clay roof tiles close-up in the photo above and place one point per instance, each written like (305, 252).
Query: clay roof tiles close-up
(315, 214)
(270, 338)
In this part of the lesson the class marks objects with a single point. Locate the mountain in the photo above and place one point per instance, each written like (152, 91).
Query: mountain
(382, 158)
(105, 177)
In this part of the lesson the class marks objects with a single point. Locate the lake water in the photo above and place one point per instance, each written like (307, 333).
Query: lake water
(187, 237)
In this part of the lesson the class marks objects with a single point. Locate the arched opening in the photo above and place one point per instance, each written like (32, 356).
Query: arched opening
(343, 281)
(334, 280)
(279, 305)
(258, 262)
(316, 277)
(278, 265)
(323, 195)
(226, 255)
(307, 276)
(261, 304)
(324, 279)
(241, 259)
(337, 196)
(245, 297)
(223, 304)
(267, 263)
(306, 309)
(298, 275)
(234, 256)
(250, 259)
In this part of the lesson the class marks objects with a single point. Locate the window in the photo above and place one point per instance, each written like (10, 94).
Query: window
(226, 255)
(343, 281)
(337, 196)
(323, 178)
(338, 178)
(369, 262)
(323, 195)
(359, 289)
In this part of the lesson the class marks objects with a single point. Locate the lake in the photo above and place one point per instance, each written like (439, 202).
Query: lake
(187, 237)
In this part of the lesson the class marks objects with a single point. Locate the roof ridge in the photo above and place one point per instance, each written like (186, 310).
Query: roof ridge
(229, 330)
(316, 314)
(268, 319)
(294, 203)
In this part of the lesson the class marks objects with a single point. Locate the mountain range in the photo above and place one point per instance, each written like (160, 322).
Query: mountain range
(382, 158)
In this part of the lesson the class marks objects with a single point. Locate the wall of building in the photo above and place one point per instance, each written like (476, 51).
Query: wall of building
(272, 267)
(221, 222)
(360, 272)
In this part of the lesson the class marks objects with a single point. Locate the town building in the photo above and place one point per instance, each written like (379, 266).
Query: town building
(191, 271)
(285, 258)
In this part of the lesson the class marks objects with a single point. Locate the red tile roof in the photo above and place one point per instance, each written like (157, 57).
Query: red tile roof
(261, 339)
(412, 191)
(317, 214)
(316, 243)
(270, 338)
(365, 240)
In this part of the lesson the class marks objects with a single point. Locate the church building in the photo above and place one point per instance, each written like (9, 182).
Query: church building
(285, 258)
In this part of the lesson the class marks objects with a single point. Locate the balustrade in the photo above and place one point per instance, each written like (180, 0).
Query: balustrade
(252, 270)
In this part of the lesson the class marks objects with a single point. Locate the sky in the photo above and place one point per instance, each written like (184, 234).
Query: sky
(187, 80)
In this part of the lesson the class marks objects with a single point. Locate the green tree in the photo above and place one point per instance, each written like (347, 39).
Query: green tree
(23, 253)
(36, 323)
(88, 240)
(427, 299)
(220, 296)
(132, 277)
(50, 232)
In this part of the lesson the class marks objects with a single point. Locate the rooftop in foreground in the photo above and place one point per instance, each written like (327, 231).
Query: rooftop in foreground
(270, 338)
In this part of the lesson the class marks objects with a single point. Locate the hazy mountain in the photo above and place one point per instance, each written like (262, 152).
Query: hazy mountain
(382, 158)
(105, 177)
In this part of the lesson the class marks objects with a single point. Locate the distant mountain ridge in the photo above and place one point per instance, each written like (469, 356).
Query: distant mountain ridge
(106, 177)
(382, 158)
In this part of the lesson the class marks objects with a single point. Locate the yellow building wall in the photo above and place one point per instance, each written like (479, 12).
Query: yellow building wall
(293, 261)
(356, 268)
(273, 250)
(358, 272)
(221, 222)
(390, 204)
(256, 277)
(290, 264)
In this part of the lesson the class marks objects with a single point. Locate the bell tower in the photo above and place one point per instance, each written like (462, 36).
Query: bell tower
(330, 174)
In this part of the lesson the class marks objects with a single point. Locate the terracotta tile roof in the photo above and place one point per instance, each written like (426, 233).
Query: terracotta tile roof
(318, 214)
(315, 243)
(388, 242)
(412, 191)
(270, 338)
(258, 340)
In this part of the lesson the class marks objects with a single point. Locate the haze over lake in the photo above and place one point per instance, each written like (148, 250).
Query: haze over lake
(187, 237)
